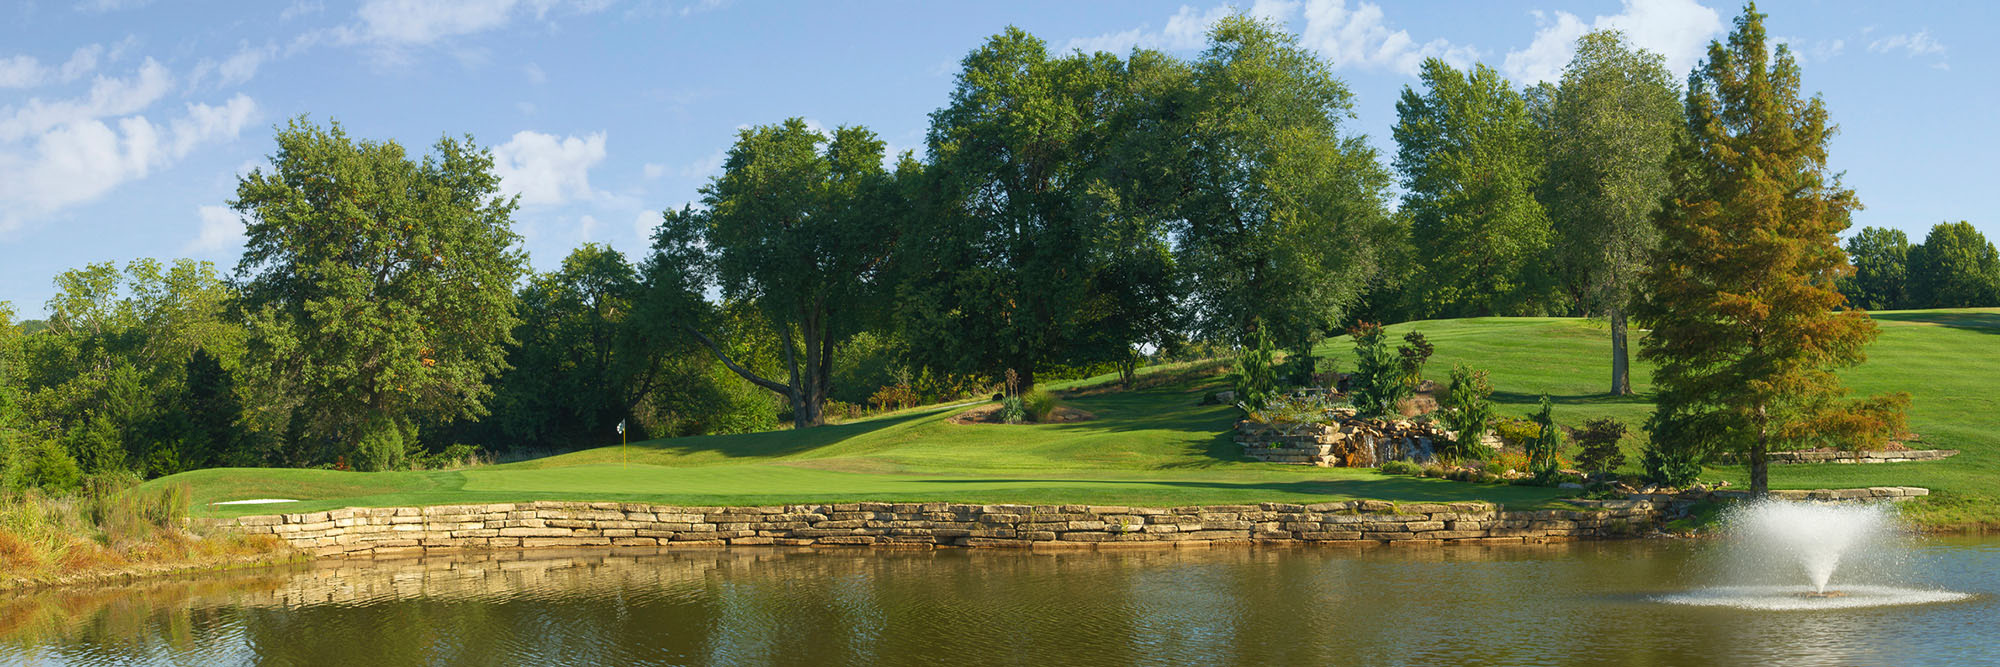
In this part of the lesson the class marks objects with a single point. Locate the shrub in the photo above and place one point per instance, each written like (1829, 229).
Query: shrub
(1599, 442)
(1377, 383)
(1516, 432)
(1012, 410)
(1038, 404)
(1668, 465)
(454, 457)
(1466, 408)
(1544, 449)
(1255, 381)
(47, 466)
(1401, 468)
(894, 397)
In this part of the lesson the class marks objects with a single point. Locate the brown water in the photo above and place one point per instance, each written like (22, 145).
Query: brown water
(1591, 603)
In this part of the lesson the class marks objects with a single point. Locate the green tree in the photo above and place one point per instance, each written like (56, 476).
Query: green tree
(1747, 325)
(1956, 267)
(1466, 148)
(1881, 260)
(108, 377)
(1023, 257)
(1610, 137)
(378, 291)
(584, 357)
(1284, 211)
(797, 232)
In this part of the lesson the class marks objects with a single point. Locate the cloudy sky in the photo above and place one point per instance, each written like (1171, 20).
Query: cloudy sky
(125, 123)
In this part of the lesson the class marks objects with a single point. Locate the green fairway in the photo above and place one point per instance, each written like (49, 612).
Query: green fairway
(1158, 447)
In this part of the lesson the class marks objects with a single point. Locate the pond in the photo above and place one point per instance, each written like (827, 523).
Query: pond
(1579, 603)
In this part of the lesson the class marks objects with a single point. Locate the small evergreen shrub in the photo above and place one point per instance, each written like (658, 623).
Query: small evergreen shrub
(1465, 410)
(1255, 378)
(1669, 466)
(1599, 443)
(1546, 447)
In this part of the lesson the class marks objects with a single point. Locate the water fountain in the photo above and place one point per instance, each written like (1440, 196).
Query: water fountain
(1779, 539)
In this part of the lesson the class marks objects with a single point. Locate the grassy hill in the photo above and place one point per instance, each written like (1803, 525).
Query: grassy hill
(1157, 447)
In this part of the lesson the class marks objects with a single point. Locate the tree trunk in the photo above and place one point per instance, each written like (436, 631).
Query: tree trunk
(1621, 362)
(1760, 465)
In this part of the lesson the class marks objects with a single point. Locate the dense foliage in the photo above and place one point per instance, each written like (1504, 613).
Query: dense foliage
(1748, 328)
(1071, 214)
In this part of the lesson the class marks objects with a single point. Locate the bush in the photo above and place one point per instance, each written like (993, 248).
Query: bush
(1670, 466)
(1255, 381)
(454, 457)
(1599, 441)
(1401, 468)
(1383, 379)
(1516, 432)
(381, 447)
(1465, 410)
(1544, 449)
(1012, 410)
(1038, 404)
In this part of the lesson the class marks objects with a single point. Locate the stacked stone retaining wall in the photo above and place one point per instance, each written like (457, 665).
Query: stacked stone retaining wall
(543, 524)
(405, 530)
(1880, 456)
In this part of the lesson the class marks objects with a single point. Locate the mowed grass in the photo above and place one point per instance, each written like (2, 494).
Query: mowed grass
(1158, 447)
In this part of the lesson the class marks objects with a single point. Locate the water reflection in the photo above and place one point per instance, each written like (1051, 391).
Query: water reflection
(1590, 603)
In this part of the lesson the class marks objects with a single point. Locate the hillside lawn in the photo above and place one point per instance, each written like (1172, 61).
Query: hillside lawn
(1156, 446)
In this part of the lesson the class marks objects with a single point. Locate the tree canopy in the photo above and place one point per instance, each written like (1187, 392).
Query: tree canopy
(1748, 327)
(1467, 151)
(1611, 136)
(378, 290)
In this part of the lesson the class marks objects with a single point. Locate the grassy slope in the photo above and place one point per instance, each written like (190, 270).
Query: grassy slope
(1946, 359)
(1157, 447)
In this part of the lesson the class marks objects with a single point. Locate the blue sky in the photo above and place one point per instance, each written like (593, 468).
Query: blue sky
(124, 123)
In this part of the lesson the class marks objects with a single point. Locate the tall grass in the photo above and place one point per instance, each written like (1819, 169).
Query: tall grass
(109, 527)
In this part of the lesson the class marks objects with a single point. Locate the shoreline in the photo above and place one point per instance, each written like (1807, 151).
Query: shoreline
(392, 532)
(414, 530)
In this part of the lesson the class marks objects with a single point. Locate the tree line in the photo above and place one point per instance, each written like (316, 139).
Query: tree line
(1071, 212)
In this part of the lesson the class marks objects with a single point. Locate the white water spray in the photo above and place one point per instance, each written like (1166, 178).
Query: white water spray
(1817, 535)
(1782, 540)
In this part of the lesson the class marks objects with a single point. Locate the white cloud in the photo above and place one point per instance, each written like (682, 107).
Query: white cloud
(24, 71)
(1360, 38)
(546, 169)
(1819, 51)
(221, 229)
(102, 6)
(707, 166)
(1680, 30)
(1186, 29)
(644, 224)
(108, 97)
(80, 158)
(235, 70)
(1351, 38)
(653, 170)
(1919, 43)
(535, 74)
(417, 22)
(301, 8)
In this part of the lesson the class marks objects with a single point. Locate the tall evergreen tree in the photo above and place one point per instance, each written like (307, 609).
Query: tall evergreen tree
(1956, 267)
(1467, 151)
(1611, 134)
(1747, 325)
(1881, 260)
